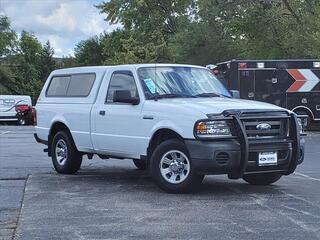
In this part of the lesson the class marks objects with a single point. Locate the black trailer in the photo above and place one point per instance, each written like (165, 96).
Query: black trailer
(292, 84)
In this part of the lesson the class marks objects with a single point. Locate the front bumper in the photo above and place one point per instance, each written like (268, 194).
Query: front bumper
(239, 156)
(224, 157)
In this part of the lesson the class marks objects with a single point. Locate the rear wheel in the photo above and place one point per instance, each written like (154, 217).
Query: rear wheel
(262, 178)
(65, 157)
(140, 164)
(172, 168)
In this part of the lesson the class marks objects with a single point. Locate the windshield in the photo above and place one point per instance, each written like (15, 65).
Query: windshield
(180, 82)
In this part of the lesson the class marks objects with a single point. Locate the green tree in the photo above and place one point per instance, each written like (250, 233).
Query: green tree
(47, 63)
(147, 27)
(200, 43)
(124, 47)
(267, 29)
(30, 48)
(25, 63)
(27, 78)
(89, 52)
(209, 31)
(147, 15)
(121, 47)
(5, 77)
(23, 68)
(7, 36)
(7, 44)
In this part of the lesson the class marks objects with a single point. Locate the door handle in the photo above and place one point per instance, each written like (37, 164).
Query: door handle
(102, 112)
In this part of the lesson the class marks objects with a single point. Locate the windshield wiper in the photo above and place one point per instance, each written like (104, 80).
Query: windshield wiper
(211, 95)
(172, 95)
(183, 95)
(208, 95)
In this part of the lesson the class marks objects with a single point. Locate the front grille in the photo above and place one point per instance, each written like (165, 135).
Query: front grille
(277, 124)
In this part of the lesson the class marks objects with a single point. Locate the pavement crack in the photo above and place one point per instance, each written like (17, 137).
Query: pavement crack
(261, 201)
(300, 199)
(295, 221)
(307, 176)
(302, 212)
(20, 208)
(13, 179)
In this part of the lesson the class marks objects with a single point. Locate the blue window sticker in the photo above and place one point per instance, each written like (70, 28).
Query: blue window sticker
(150, 85)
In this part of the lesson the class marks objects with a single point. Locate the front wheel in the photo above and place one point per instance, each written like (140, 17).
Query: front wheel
(65, 157)
(262, 178)
(172, 168)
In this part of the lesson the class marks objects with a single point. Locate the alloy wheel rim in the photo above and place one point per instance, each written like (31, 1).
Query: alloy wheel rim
(61, 152)
(174, 166)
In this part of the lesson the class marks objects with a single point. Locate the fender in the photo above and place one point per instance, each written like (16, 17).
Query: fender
(167, 124)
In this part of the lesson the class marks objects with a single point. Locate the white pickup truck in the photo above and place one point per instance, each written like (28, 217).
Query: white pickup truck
(177, 121)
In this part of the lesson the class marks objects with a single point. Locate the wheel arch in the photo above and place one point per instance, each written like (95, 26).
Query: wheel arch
(159, 136)
(303, 108)
(56, 127)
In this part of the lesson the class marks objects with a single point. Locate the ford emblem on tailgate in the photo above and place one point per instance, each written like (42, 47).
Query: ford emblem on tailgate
(263, 126)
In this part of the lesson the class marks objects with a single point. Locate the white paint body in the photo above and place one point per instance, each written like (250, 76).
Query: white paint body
(123, 131)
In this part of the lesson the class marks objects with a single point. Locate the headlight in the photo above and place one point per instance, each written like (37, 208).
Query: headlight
(212, 129)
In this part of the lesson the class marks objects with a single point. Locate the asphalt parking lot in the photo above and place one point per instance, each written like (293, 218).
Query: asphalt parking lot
(110, 199)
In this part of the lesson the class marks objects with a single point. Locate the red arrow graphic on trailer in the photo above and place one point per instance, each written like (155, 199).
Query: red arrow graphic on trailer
(305, 80)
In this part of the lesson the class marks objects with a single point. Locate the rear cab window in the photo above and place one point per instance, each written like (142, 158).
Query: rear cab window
(58, 86)
(73, 85)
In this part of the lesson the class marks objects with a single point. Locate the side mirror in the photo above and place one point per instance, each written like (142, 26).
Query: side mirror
(235, 93)
(124, 96)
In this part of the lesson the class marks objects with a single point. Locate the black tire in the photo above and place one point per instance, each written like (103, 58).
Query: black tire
(192, 180)
(73, 158)
(140, 164)
(22, 121)
(262, 178)
(309, 120)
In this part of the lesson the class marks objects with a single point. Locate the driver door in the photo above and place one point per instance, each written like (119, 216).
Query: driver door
(117, 126)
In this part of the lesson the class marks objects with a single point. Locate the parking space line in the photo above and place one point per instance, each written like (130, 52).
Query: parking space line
(306, 176)
(3, 133)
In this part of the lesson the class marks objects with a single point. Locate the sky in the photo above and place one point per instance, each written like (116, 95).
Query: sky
(63, 22)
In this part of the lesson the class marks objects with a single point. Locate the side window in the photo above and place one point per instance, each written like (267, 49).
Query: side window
(80, 85)
(121, 80)
(58, 86)
(76, 85)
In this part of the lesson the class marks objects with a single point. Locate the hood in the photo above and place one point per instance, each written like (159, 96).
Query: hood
(216, 105)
